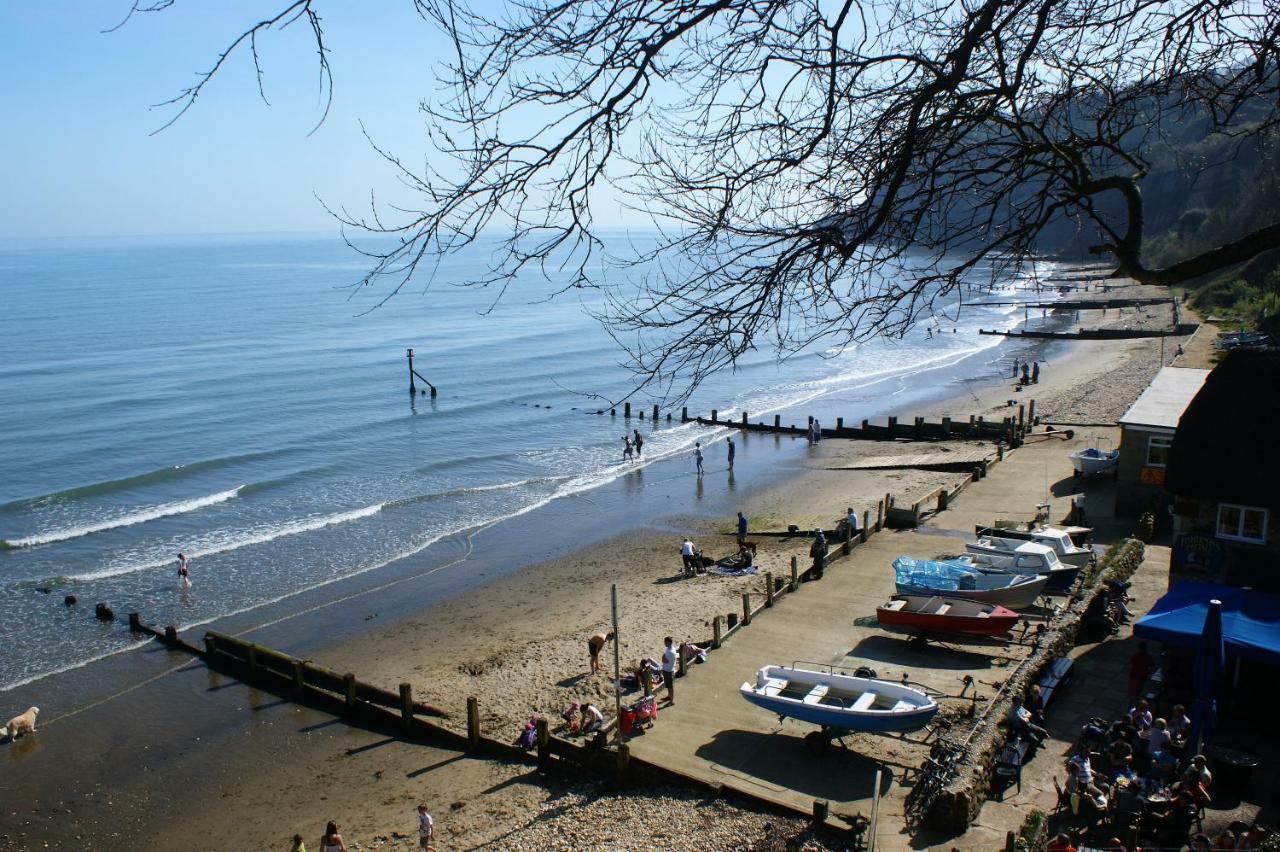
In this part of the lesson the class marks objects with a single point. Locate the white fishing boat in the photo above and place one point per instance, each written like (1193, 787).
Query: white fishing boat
(1020, 557)
(1094, 459)
(839, 702)
(1057, 539)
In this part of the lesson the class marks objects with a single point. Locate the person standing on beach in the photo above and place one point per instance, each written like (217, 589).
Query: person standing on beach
(183, 580)
(1015, 368)
(426, 828)
(638, 442)
(669, 670)
(1035, 373)
(742, 528)
(298, 845)
(332, 840)
(819, 553)
(697, 456)
(817, 430)
(594, 646)
(732, 449)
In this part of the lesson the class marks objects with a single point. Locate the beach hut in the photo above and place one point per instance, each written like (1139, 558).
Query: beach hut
(1146, 436)
(1223, 475)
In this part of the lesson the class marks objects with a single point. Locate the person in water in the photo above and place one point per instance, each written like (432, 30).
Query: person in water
(183, 579)
(626, 448)
(637, 442)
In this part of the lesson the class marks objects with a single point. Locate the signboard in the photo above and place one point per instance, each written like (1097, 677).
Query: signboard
(1152, 476)
(1198, 556)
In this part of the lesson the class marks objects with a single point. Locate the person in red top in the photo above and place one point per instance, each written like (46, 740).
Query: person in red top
(1141, 665)
(1061, 843)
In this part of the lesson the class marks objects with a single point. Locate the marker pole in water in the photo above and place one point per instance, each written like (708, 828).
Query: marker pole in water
(617, 665)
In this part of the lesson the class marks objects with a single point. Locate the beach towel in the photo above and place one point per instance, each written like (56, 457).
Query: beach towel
(731, 571)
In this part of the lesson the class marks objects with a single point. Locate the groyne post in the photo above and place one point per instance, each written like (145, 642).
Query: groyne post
(1031, 412)
(879, 515)
(847, 547)
(717, 628)
(682, 665)
(946, 427)
(626, 410)
(406, 705)
(655, 414)
(714, 415)
(543, 737)
(768, 588)
(919, 428)
(171, 635)
(473, 722)
(795, 573)
(744, 418)
(866, 522)
(253, 660)
(839, 424)
(413, 390)
(777, 421)
(299, 674)
(135, 623)
(210, 645)
(1022, 419)
(746, 608)
(684, 414)
(943, 498)
(349, 688)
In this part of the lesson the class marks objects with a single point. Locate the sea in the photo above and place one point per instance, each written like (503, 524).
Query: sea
(234, 398)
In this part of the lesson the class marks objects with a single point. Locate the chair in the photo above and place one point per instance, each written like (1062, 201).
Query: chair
(1064, 799)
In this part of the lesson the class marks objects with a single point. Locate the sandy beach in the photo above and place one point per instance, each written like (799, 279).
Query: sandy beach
(518, 645)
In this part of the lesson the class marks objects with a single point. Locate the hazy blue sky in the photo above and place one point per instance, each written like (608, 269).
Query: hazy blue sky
(76, 157)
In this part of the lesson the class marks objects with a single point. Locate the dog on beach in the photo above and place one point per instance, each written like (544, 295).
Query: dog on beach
(24, 723)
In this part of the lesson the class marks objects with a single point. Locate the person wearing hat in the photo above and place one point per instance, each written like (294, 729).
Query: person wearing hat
(819, 553)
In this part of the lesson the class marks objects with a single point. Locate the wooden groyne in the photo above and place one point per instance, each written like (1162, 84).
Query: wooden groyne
(1180, 330)
(1008, 429)
(1079, 304)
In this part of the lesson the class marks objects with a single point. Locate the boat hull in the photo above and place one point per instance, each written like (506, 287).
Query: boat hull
(961, 616)
(1014, 597)
(1060, 578)
(830, 715)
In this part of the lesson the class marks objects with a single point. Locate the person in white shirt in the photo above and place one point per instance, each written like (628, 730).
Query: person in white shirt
(669, 669)
(1158, 737)
(426, 828)
(592, 718)
(688, 557)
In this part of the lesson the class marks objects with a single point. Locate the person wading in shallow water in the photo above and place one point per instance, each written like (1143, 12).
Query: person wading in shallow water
(637, 442)
(183, 580)
(697, 456)
(732, 450)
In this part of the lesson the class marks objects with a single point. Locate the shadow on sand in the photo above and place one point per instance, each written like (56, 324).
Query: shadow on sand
(782, 759)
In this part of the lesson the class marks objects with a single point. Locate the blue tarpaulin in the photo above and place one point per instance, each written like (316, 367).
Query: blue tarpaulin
(1250, 620)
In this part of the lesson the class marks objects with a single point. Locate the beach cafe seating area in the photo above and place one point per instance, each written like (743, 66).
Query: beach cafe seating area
(1162, 775)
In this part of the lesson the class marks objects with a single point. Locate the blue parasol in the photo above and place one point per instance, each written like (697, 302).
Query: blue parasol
(1210, 664)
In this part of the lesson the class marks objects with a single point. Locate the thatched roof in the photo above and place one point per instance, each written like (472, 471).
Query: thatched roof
(1227, 447)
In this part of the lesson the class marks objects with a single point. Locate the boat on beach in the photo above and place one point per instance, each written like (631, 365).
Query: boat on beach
(937, 614)
(1093, 460)
(839, 702)
(1067, 542)
(949, 579)
(1019, 557)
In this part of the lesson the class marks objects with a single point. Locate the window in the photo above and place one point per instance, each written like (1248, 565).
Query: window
(1242, 523)
(1158, 450)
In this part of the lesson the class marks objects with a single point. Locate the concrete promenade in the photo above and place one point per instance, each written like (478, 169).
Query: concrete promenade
(714, 735)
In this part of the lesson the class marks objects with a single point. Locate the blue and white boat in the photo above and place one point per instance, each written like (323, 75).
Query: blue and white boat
(952, 579)
(1018, 557)
(839, 702)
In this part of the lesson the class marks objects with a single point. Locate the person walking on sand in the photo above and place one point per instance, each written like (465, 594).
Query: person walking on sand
(689, 557)
(426, 828)
(637, 442)
(669, 669)
(594, 646)
(697, 456)
(817, 430)
(809, 434)
(732, 449)
(298, 845)
(1035, 373)
(183, 580)
(332, 840)
(626, 448)
(742, 528)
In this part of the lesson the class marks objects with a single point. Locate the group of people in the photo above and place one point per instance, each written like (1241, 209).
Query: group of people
(331, 840)
(648, 671)
(1030, 371)
(632, 445)
(814, 434)
(700, 459)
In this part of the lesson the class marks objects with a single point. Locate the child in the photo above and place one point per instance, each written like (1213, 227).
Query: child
(426, 828)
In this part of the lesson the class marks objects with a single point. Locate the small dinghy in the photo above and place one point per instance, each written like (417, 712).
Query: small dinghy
(949, 579)
(839, 702)
(946, 615)
(1094, 460)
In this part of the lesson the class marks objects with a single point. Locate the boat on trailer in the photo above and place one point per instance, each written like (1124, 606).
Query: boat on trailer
(839, 703)
(950, 579)
(1070, 543)
(936, 614)
(1019, 557)
(1094, 459)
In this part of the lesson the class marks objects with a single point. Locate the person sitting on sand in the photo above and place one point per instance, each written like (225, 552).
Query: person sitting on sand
(592, 718)
(694, 653)
(570, 716)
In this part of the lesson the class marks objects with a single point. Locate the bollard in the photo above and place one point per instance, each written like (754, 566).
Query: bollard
(795, 573)
(626, 410)
(253, 660)
(171, 635)
(866, 522)
(299, 671)
(406, 705)
(543, 738)
(349, 684)
(717, 626)
(768, 588)
(746, 608)
(473, 722)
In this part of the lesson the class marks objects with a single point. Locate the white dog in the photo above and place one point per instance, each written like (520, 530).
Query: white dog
(22, 724)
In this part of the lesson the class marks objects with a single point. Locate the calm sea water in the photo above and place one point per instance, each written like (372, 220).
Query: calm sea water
(225, 398)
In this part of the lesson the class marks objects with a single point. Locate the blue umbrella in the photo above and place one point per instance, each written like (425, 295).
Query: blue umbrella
(1210, 664)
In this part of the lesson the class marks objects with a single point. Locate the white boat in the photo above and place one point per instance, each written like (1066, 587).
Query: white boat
(1057, 539)
(1020, 557)
(952, 579)
(839, 702)
(1094, 459)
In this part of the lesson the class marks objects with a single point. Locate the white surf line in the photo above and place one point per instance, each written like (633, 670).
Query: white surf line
(155, 512)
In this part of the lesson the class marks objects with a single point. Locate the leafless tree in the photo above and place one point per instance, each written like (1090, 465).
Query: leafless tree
(816, 170)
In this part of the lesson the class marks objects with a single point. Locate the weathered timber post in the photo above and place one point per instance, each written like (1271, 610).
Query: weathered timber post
(714, 414)
(839, 424)
(820, 810)
(626, 410)
(943, 498)
(210, 645)
(893, 426)
(746, 608)
(613, 412)
(684, 414)
(795, 573)
(919, 428)
(473, 722)
(135, 623)
(1000, 452)
(1031, 412)
(847, 547)
(777, 421)
(171, 635)
(1022, 419)
(768, 588)
(879, 515)
(299, 668)
(655, 414)
(623, 762)
(744, 418)
(717, 627)
(349, 686)
(253, 660)
(946, 427)
(406, 705)
(413, 390)
(973, 423)
(542, 738)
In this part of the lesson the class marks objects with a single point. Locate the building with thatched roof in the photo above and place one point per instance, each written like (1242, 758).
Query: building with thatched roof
(1146, 435)
(1223, 473)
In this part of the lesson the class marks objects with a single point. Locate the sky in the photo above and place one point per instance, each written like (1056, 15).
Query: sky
(77, 157)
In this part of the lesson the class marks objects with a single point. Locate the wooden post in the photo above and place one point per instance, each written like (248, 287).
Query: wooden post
(473, 722)
(746, 608)
(717, 626)
(210, 645)
(682, 665)
(412, 389)
(919, 428)
(1031, 412)
(795, 573)
(888, 503)
(943, 498)
(946, 426)
(1010, 841)
(713, 415)
(349, 683)
(839, 424)
(406, 705)
(866, 522)
(1022, 419)
(865, 424)
(777, 421)
(744, 418)
(893, 426)
(171, 635)
(299, 668)
(623, 762)
(1000, 453)
(768, 588)
(253, 660)
(684, 414)
(847, 547)
(135, 623)
(879, 515)
(542, 738)
(626, 410)
(973, 421)
(820, 810)
(613, 412)
(655, 414)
